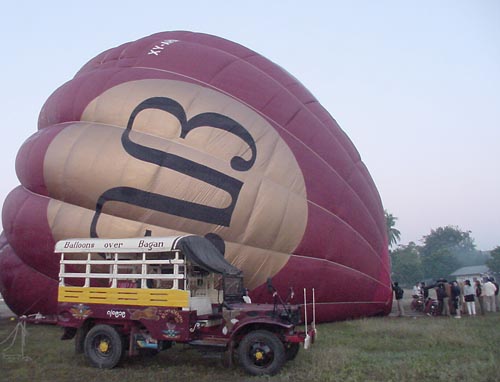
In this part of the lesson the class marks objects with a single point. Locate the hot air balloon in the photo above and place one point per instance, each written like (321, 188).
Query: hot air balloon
(183, 132)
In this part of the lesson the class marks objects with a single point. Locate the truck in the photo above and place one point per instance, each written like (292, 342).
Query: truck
(123, 297)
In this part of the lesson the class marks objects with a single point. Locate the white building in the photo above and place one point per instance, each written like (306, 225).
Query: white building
(476, 272)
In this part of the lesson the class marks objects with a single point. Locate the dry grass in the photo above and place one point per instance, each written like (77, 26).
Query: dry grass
(381, 349)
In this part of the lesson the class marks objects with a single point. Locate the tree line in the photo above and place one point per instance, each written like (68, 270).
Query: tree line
(443, 251)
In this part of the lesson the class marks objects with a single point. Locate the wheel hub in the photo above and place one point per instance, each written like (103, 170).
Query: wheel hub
(262, 354)
(103, 346)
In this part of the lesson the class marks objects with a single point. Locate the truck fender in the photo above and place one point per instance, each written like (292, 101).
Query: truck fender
(271, 326)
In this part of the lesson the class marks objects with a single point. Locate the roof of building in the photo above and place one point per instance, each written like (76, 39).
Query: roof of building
(472, 270)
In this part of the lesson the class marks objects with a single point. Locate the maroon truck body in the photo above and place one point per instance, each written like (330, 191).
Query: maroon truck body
(109, 321)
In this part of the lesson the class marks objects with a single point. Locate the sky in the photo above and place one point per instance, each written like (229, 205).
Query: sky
(414, 84)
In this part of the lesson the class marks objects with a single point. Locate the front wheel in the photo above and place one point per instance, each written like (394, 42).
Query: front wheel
(103, 346)
(261, 353)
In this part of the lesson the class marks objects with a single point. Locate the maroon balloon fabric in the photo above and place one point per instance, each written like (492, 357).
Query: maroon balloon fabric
(342, 251)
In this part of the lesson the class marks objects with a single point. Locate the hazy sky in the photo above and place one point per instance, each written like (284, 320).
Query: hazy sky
(414, 84)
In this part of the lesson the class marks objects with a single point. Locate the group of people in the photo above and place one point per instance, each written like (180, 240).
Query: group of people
(453, 298)
(486, 294)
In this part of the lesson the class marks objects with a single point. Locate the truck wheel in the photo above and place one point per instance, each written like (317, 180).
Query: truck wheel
(103, 346)
(261, 353)
(291, 351)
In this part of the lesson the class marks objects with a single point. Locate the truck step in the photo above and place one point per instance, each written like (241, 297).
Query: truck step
(209, 343)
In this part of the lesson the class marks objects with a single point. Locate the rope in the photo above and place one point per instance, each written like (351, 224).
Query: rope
(20, 328)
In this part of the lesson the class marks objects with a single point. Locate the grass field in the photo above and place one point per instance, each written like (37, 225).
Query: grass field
(378, 349)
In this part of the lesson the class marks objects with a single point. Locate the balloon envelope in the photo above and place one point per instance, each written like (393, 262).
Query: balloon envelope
(183, 132)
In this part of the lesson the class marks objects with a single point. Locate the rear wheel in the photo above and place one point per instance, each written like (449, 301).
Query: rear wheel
(261, 353)
(103, 346)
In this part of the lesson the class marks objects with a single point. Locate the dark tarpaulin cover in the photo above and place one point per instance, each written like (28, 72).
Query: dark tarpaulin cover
(204, 254)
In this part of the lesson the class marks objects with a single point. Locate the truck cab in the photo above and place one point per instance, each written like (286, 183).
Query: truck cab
(136, 295)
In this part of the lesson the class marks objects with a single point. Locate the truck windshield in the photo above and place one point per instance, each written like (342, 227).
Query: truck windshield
(233, 288)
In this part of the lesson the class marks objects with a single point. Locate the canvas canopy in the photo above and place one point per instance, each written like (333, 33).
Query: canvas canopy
(204, 254)
(197, 249)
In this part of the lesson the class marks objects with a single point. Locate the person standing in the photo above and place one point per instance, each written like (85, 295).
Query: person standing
(479, 295)
(496, 293)
(398, 294)
(489, 290)
(443, 299)
(455, 297)
(469, 293)
(451, 308)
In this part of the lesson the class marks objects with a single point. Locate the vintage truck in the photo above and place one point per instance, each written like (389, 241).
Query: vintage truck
(142, 295)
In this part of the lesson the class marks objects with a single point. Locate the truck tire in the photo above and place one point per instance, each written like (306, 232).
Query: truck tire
(261, 353)
(103, 346)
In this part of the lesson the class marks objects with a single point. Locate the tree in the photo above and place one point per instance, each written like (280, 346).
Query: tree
(406, 264)
(494, 262)
(393, 234)
(449, 237)
(439, 264)
(443, 248)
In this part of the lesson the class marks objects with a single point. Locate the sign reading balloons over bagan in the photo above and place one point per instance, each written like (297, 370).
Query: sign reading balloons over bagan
(186, 133)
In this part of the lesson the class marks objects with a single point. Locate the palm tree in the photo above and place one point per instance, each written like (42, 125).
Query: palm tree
(393, 234)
